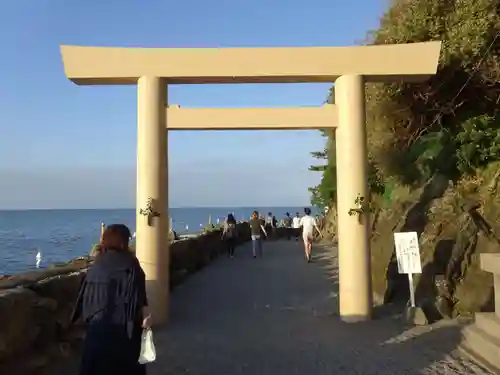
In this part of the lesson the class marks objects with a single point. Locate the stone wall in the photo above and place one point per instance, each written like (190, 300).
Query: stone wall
(35, 306)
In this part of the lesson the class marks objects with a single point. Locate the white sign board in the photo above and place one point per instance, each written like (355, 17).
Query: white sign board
(407, 252)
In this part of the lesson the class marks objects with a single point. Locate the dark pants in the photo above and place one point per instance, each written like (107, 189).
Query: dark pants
(108, 350)
(269, 230)
(296, 233)
(231, 246)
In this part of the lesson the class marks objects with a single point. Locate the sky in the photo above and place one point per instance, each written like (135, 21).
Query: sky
(68, 146)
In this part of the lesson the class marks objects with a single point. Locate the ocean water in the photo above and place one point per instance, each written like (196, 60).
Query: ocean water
(61, 235)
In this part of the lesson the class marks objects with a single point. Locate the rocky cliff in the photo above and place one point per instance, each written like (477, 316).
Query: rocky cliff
(456, 221)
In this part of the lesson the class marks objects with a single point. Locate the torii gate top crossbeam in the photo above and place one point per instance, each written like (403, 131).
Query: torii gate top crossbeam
(115, 66)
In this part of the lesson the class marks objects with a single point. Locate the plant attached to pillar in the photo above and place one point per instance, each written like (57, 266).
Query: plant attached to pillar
(149, 211)
(362, 206)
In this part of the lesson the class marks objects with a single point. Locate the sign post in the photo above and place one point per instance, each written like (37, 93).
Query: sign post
(408, 258)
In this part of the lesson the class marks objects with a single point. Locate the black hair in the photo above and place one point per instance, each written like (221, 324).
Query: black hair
(116, 237)
(307, 211)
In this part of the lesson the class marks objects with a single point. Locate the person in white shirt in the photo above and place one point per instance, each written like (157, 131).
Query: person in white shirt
(296, 226)
(308, 224)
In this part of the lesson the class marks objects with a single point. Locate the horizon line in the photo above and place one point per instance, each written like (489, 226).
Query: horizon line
(133, 208)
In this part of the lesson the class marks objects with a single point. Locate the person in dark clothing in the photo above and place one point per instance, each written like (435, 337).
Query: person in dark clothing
(287, 224)
(229, 234)
(256, 229)
(269, 224)
(113, 305)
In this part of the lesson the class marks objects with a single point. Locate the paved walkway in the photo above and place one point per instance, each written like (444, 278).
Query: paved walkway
(276, 315)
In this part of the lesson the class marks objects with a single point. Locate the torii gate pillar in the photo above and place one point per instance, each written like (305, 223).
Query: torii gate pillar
(355, 292)
(152, 187)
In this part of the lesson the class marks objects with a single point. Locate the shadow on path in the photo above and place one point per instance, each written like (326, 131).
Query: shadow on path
(278, 315)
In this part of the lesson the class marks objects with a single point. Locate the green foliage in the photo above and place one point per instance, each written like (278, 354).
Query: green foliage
(324, 194)
(477, 143)
(376, 183)
(466, 87)
(447, 124)
(361, 206)
(430, 153)
(321, 155)
(472, 145)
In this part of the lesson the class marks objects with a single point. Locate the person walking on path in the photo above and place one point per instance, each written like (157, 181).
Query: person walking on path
(296, 226)
(229, 235)
(269, 226)
(287, 224)
(256, 230)
(308, 224)
(113, 305)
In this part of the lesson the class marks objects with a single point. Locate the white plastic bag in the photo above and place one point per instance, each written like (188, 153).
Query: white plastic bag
(148, 350)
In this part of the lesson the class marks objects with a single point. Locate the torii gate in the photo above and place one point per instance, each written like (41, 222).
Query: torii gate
(152, 69)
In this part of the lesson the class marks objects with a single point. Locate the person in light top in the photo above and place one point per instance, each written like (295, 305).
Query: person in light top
(296, 226)
(308, 224)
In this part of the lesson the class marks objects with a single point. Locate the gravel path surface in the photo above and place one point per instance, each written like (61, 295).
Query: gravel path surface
(277, 315)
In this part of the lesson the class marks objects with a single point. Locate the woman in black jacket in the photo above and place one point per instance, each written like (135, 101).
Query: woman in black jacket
(112, 303)
(229, 234)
